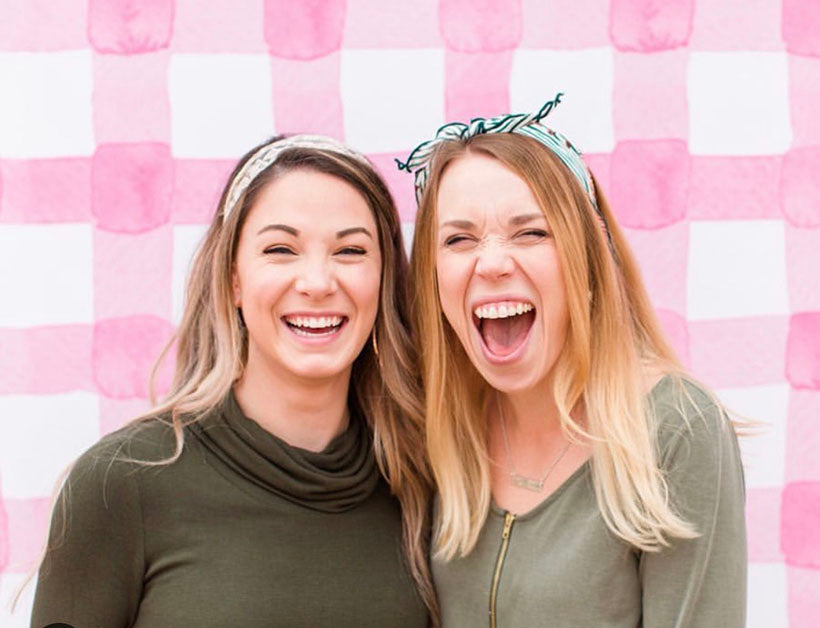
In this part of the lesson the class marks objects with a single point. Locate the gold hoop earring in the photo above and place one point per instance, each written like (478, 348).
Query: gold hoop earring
(375, 344)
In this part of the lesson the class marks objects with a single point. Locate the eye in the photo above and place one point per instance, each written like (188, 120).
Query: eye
(351, 250)
(456, 240)
(532, 234)
(279, 250)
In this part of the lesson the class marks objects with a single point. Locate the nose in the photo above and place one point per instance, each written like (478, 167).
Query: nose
(316, 278)
(494, 261)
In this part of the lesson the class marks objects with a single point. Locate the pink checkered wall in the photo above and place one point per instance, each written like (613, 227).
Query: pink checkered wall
(119, 121)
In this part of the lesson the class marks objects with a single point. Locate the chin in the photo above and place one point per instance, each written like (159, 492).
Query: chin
(508, 380)
(318, 367)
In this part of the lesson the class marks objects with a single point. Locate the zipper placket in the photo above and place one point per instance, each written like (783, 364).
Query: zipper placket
(509, 519)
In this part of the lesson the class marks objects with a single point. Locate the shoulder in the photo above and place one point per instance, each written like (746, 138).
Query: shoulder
(150, 440)
(698, 454)
(111, 465)
(688, 419)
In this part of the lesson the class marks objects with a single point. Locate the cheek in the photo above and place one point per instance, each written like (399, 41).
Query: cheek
(363, 284)
(453, 277)
(261, 289)
(550, 285)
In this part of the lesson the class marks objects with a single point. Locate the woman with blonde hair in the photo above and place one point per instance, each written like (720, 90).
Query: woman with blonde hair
(583, 478)
(252, 494)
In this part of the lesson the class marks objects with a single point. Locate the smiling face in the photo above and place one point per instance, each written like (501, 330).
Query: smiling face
(499, 275)
(307, 275)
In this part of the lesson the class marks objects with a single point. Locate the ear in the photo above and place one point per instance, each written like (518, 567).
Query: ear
(237, 300)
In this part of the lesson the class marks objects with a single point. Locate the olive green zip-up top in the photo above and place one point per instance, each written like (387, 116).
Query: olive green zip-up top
(242, 530)
(559, 566)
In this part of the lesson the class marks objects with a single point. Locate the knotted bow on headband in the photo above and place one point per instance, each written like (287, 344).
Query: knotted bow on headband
(419, 160)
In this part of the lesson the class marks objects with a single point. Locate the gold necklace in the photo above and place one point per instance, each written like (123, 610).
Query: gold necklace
(522, 481)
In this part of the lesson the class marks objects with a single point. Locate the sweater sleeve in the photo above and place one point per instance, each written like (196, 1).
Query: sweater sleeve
(92, 574)
(699, 582)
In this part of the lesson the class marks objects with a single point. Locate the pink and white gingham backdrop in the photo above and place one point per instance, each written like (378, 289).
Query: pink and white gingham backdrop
(119, 120)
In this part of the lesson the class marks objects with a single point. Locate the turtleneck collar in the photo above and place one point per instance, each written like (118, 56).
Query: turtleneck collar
(338, 478)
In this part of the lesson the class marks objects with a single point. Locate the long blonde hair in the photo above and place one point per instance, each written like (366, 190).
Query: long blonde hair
(612, 334)
(211, 346)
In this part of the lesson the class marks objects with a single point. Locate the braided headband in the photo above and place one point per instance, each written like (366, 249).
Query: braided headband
(268, 154)
(419, 160)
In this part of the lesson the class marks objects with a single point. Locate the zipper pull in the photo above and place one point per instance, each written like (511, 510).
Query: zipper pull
(508, 522)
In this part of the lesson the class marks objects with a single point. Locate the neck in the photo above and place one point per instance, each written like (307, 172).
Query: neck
(531, 412)
(305, 413)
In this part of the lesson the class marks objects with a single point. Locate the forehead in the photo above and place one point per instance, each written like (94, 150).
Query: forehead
(476, 186)
(311, 201)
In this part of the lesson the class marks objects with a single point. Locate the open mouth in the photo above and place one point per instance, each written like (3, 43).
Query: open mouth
(314, 326)
(504, 326)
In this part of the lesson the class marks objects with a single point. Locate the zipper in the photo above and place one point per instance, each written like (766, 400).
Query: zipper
(509, 518)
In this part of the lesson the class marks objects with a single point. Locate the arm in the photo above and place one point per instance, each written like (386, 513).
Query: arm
(699, 582)
(92, 573)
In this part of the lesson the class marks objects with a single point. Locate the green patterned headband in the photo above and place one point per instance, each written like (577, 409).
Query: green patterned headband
(419, 160)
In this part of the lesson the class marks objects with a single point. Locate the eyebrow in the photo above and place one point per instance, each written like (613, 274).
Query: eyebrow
(286, 228)
(295, 232)
(459, 224)
(515, 221)
(523, 219)
(351, 230)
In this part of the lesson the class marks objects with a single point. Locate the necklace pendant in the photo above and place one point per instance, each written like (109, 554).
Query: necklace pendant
(530, 484)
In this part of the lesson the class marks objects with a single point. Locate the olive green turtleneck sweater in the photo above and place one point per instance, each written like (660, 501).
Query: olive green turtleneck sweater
(242, 530)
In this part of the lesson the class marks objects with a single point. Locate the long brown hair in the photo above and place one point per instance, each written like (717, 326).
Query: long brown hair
(612, 333)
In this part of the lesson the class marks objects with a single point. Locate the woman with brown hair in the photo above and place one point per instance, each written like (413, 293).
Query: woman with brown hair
(252, 494)
(584, 479)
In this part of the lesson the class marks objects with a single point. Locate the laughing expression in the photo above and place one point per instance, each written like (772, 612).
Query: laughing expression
(499, 275)
(307, 275)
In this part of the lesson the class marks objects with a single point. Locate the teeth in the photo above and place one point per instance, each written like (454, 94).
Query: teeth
(502, 310)
(314, 322)
(302, 332)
